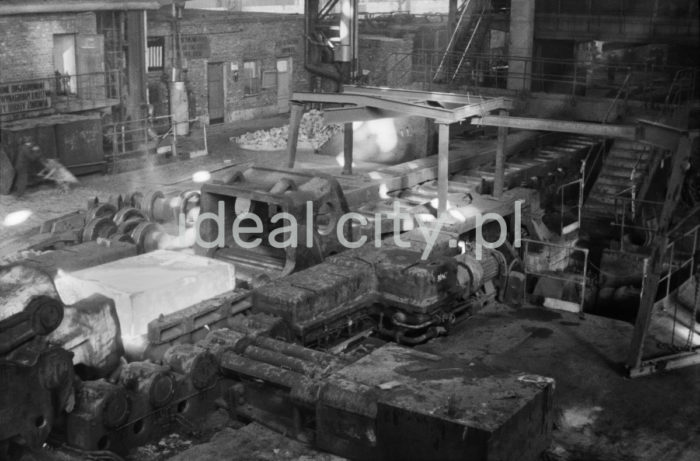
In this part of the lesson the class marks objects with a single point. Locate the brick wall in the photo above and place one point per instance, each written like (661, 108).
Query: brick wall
(387, 59)
(26, 42)
(233, 39)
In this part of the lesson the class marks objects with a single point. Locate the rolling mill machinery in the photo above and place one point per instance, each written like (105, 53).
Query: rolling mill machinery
(279, 348)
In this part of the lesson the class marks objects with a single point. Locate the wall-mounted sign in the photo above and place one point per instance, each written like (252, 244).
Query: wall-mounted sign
(195, 46)
(22, 97)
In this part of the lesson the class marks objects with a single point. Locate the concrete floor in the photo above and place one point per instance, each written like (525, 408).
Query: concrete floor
(601, 414)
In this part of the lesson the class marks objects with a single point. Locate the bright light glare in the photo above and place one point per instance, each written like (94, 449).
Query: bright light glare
(462, 245)
(175, 202)
(134, 345)
(136, 341)
(455, 213)
(16, 217)
(435, 202)
(185, 239)
(340, 158)
(201, 176)
(468, 211)
(385, 133)
(383, 191)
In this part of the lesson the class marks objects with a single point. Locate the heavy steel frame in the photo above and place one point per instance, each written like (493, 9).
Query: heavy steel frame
(372, 103)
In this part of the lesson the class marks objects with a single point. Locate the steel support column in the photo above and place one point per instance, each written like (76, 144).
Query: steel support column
(680, 164)
(443, 161)
(498, 177)
(295, 114)
(563, 126)
(522, 27)
(347, 148)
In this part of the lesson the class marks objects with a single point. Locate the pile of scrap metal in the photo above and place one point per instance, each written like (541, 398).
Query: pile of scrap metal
(313, 133)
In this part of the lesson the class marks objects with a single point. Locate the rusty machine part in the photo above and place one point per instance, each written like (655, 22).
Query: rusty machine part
(100, 227)
(117, 218)
(156, 207)
(126, 213)
(146, 236)
(389, 289)
(128, 226)
(41, 316)
(189, 359)
(99, 210)
(37, 376)
(265, 193)
(149, 378)
(145, 401)
(351, 408)
(134, 199)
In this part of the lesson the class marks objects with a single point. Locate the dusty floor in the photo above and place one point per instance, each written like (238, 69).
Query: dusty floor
(601, 414)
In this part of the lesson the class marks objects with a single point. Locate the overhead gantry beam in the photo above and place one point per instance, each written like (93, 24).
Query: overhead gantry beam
(659, 135)
(414, 95)
(406, 107)
(356, 114)
(563, 126)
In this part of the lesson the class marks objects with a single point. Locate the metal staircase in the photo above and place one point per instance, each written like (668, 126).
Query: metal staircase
(623, 174)
(629, 168)
(466, 39)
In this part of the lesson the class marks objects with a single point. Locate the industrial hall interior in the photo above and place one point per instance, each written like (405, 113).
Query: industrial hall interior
(329, 230)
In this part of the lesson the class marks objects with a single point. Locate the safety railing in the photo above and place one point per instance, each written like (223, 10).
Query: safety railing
(635, 215)
(624, 90)
(134, 139)
(61, 92)
(680, 92)
(676, 324)
(641, 81)
(592, 163)
(558, 274)
(567, 196)
(573, 194)
(679, 258)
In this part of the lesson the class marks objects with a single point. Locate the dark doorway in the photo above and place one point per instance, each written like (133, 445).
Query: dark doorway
(215, 85)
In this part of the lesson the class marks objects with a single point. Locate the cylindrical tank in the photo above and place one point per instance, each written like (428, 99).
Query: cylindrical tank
(179, 109)
(343, 49)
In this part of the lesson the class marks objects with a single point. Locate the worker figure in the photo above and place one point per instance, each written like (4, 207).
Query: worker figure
(28, 159)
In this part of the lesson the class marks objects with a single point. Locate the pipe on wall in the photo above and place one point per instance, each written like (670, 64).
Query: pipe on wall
(328, 70)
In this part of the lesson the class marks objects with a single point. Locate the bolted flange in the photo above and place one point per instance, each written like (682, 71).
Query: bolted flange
(127, 213)
(102, 227)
